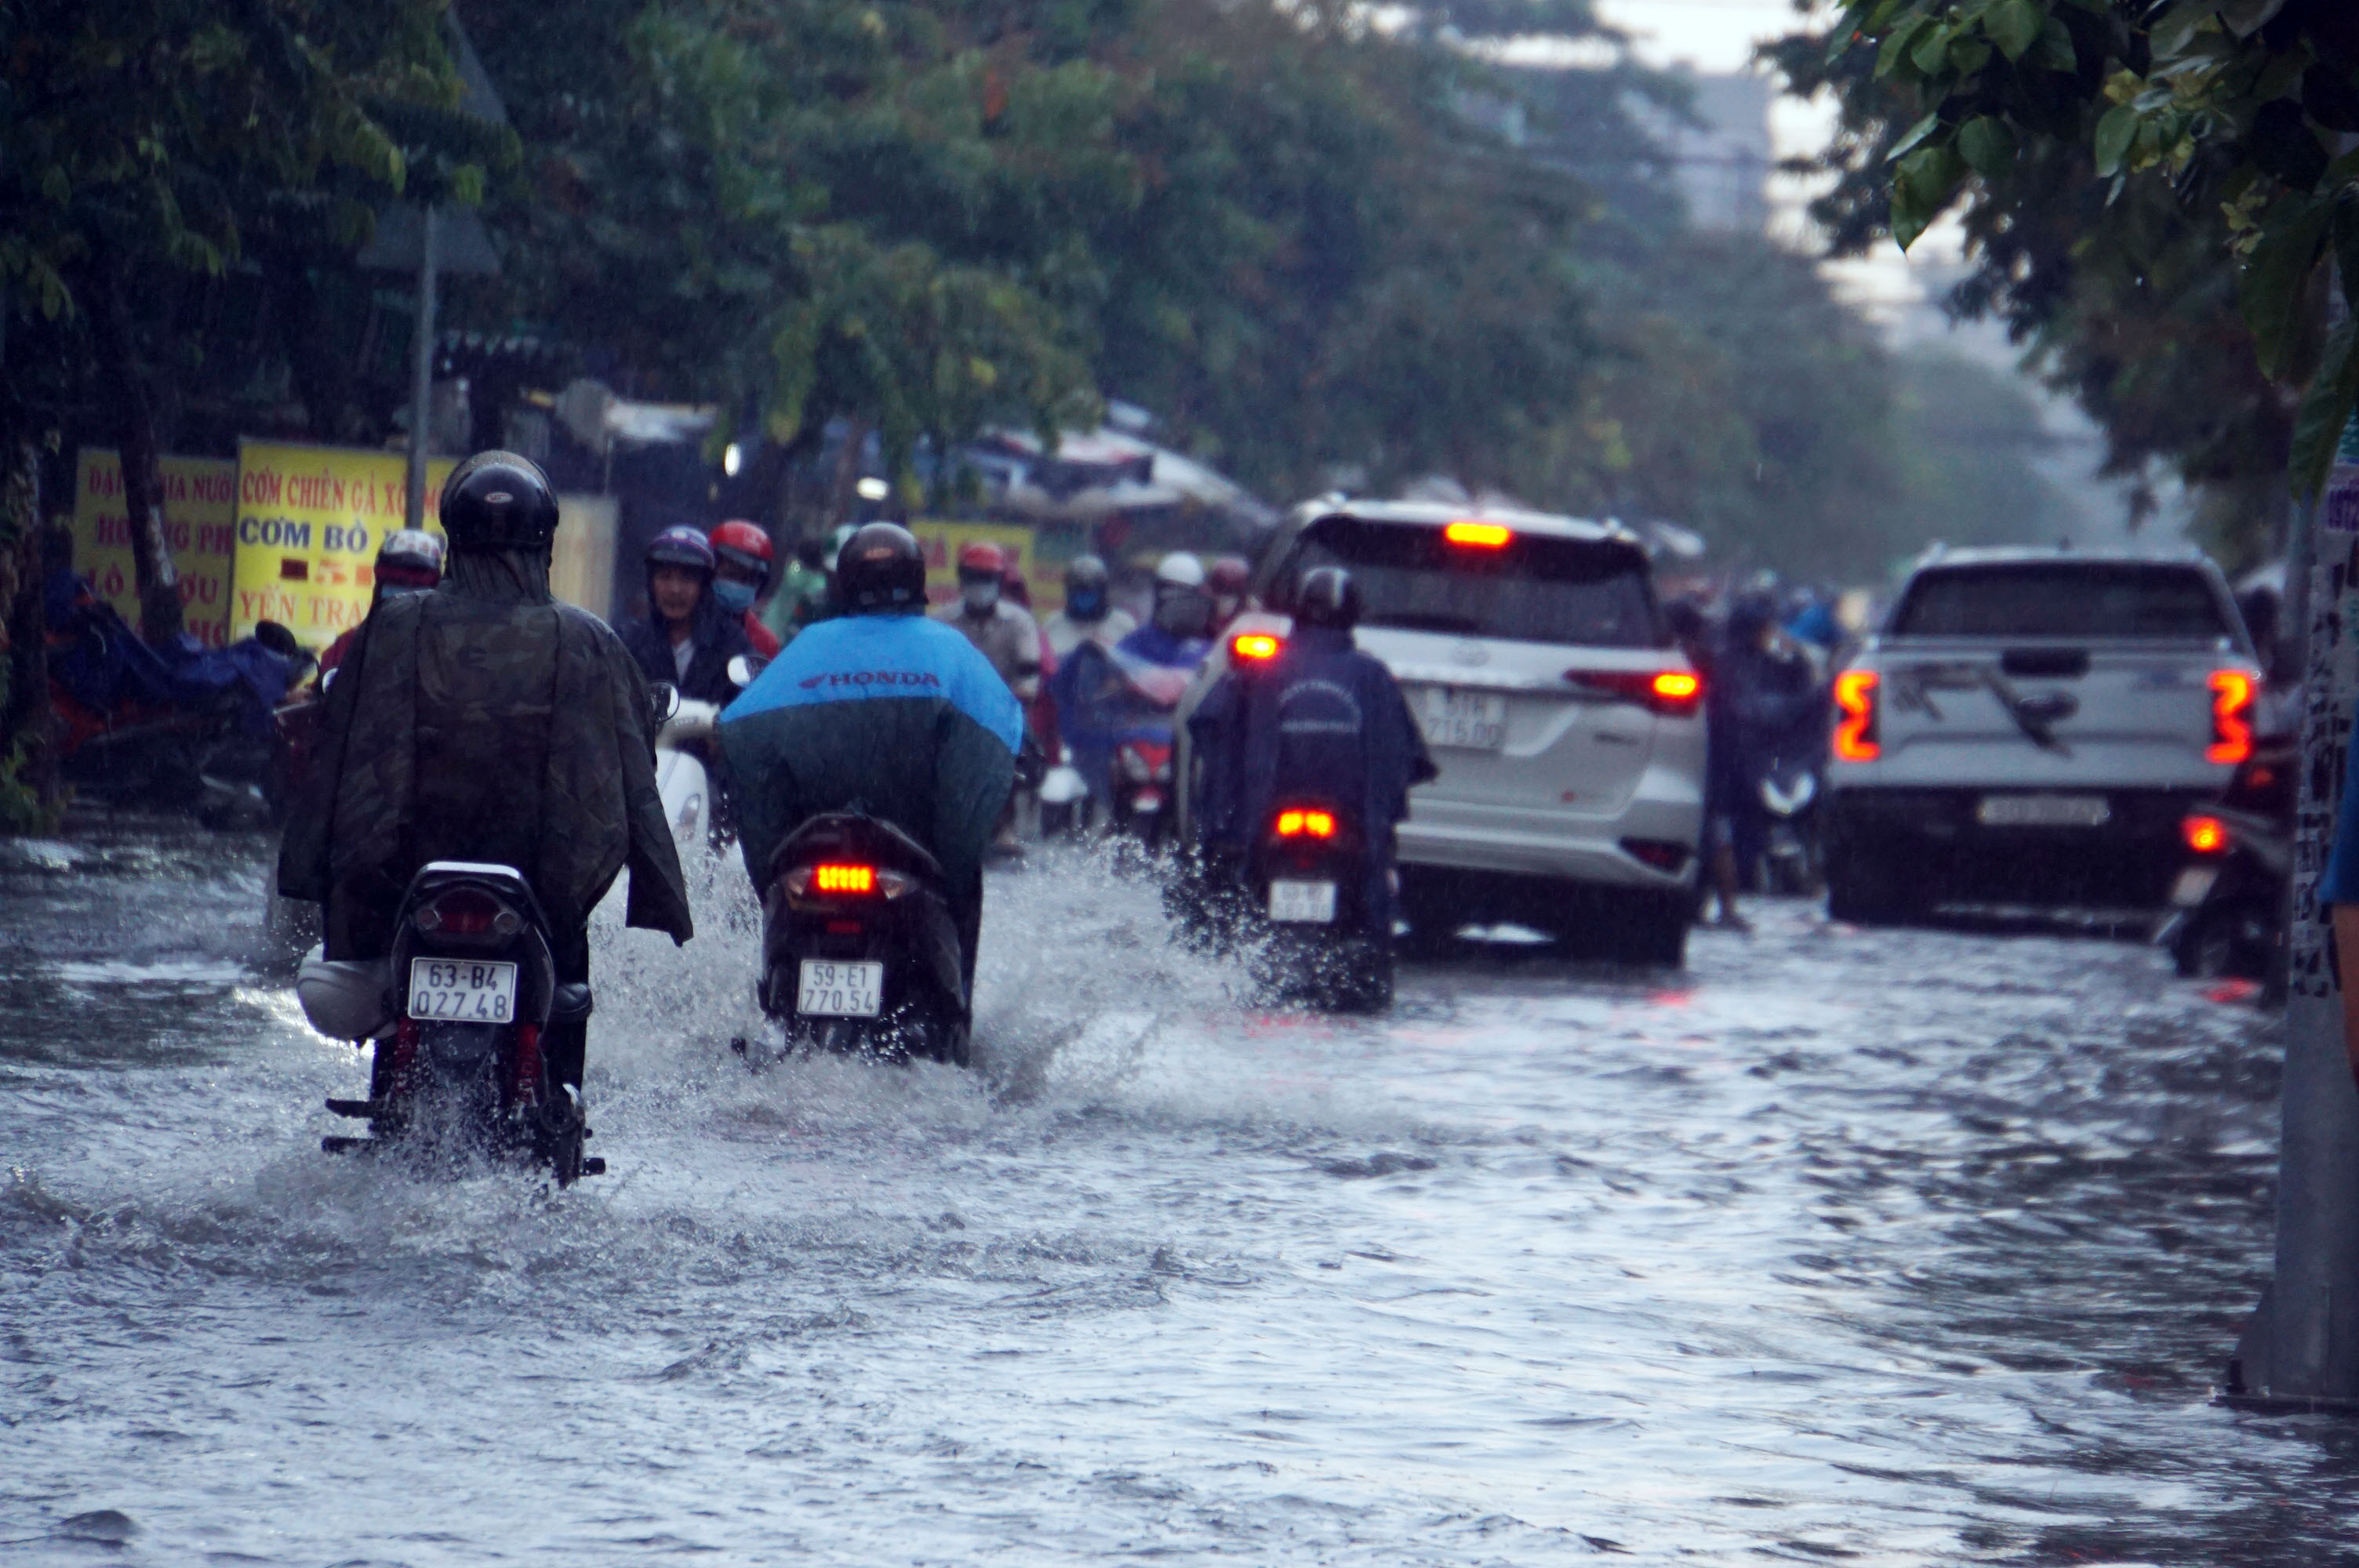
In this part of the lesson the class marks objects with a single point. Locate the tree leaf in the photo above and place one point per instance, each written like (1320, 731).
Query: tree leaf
(2055, 50)
(1932, 49)
(1917, 134)
(2116, 132)
(1987, 145)
(1897, 45)
(2273, 289)
(2244, 17)
(2326, 409)
(1926, 183)
(2014, 26)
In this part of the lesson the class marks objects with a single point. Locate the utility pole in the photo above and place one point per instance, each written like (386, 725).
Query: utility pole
(2301, 1351)
(421, 372)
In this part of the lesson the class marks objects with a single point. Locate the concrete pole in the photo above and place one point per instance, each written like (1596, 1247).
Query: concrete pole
(2302, 1348)
(421, 372)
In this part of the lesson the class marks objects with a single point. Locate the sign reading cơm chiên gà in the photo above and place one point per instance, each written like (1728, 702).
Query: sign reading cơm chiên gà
(310, 521)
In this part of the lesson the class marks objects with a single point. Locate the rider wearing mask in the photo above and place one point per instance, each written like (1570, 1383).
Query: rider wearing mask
(881, 711)
(409, 561)
(1002, 632)
(688, 639)
(486, 721)
(741, 576)
(1089, 614)
(1321, 721)
(1180, 635)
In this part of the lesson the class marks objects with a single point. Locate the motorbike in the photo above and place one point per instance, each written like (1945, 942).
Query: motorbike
(1790, 798)
(1138, 796)
(2228, 904)
(1322, 944)
(861, 950)
(686, 736)
(1117, 712)
(457, 1015)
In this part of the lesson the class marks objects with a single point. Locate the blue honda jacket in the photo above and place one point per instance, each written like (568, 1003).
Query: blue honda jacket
(895, 716)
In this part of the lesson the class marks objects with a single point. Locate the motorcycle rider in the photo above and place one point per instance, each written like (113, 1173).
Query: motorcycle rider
(687, 639)
(1322, 721)
(882, 710)
(1089, 614)
(1178, 634)
(486, 721)
(409, 561)
(741, 576)
(1001, 631)
(1761, 694)
(801, 594)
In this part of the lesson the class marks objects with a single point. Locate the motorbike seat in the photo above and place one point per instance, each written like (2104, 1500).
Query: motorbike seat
(569, 1003)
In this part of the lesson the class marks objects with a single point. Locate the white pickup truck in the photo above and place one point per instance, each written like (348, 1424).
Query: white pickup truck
(2032, 727)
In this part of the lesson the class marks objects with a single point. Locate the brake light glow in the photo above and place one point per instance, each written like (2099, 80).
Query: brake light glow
(2205, 835)
(1677, 686)
(1255, 647)
(1478, 535)
(844, 879)
(1855, 739)
(1304, 823)
(2231, 717)
(1676, 694)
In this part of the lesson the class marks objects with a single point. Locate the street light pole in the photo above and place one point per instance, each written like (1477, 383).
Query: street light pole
(421, 372)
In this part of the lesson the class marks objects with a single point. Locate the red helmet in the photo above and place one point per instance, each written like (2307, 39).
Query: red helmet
(1230, 576)
(981, 559)
(742, 546)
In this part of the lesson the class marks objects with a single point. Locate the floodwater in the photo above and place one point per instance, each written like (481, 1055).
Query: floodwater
(1886, 1248)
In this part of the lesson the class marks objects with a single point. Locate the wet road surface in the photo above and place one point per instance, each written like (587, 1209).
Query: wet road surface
(1915, 1247)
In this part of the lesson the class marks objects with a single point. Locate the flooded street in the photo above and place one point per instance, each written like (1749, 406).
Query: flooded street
(1879, 1247)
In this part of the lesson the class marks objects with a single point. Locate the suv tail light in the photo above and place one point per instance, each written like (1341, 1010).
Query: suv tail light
(1855, 739)
(1675, 694)
(467, 912)
(2231, 717)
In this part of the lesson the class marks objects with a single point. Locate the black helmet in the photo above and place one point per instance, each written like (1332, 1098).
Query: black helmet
(881, 567)
(1327, 596)
(498, 500)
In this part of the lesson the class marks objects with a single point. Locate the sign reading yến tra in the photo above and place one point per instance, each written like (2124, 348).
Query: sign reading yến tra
(200, 518)
(309, 520)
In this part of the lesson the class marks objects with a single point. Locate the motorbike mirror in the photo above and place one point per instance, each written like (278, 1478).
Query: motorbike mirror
(663, 702)
(328, 680)
(744, 667)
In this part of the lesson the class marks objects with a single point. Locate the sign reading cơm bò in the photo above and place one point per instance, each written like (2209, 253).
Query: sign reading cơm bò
(309, 520)
(200, 516)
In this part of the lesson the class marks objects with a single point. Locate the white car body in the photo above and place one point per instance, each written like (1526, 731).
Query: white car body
(1570, 777)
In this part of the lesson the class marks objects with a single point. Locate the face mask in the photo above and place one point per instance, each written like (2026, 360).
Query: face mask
(734, 597)
(1085, 604)
(980, 596)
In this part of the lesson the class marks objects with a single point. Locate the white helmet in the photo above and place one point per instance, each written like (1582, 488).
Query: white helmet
(1179, 569)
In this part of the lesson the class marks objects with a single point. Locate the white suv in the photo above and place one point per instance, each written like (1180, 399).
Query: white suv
(1568, 725)
(2032, 726)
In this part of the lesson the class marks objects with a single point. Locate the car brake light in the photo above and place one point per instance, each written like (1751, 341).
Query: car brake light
(1255, 647)
(844, 879)
(1855, 739)
(1478, 535)
(1296, 822)
(2231, 717)
(1674, 693)
(2205, 835)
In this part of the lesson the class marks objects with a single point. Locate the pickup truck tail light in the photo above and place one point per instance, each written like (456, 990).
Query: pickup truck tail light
(2205, 835)
(2232, 716)
(1855, 737)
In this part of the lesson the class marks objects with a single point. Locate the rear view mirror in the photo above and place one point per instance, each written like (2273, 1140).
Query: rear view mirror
(663, 702)
(744, 667)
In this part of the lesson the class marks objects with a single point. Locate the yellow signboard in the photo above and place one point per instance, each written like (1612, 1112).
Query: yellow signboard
(200, 517)
(309, 520)
(942, 541)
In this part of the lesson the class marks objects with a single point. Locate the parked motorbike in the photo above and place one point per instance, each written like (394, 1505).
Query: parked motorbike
(2228, 906)
(860, 949)
(457, 1016)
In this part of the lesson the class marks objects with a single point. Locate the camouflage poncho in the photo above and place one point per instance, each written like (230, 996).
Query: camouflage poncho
(483, 721)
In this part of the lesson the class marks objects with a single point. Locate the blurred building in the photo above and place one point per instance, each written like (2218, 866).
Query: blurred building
(1723, 158)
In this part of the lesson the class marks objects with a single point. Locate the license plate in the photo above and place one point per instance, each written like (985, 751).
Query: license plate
(2193, 886)
(461, 990)
(2043, 811)
(1303, 903)
(832, 989)
(1469, 720)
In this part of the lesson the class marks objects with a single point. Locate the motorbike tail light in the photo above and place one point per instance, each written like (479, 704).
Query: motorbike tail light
(837, 877)
(1254, 647)
(1675, 694)
(1855, 738)
(2205, 835)
(1305, 822)
(1144, 761)
(2232, 716)
(468, 912)
(1478, 535)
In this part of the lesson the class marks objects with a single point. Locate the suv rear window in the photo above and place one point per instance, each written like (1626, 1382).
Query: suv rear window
(2061, 599)
(1534, 588)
